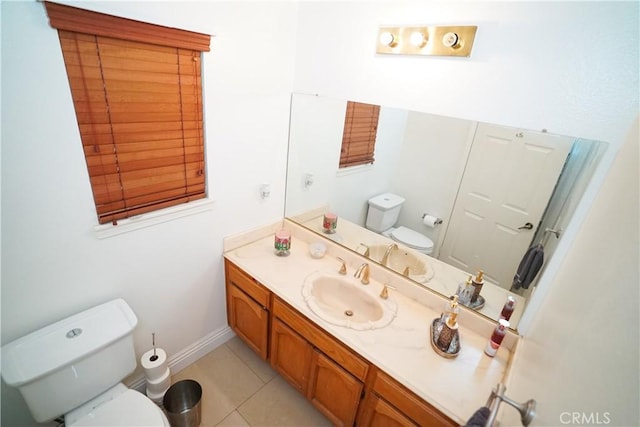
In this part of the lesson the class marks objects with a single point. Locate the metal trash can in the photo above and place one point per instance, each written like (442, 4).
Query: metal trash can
(182, 403)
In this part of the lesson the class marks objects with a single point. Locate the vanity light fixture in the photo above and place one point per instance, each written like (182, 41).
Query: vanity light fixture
(427, 40)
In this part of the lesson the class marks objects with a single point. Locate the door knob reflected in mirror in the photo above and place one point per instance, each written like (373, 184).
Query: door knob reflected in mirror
(527, 226)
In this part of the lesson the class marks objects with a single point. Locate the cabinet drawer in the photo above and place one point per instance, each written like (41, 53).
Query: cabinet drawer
(409, 403)
(247, 283)
(321, 340)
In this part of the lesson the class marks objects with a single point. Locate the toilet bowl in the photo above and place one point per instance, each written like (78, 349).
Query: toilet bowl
(382, 215)
(74, 367)
(118, 406)
(411, 239)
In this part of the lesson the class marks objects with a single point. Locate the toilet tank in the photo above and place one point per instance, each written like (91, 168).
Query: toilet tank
(65, 364)
(383, 212)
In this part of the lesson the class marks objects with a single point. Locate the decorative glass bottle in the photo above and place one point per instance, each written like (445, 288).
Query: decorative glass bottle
(507, 309)
(496, 338)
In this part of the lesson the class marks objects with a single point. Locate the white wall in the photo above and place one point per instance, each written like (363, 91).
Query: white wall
(581, 353)
(171, 274)
(441, 146)
(353, 187)
(569, 67)
(534, 65)
(316, 137)
(429, 185)
(316, 127)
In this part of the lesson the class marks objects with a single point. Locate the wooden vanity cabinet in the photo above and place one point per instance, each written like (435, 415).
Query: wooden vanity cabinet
(304, 355)
(346, 388)
(248, 309)
(389, 403)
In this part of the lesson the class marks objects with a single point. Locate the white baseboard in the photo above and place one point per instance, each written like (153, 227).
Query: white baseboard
(189, 355)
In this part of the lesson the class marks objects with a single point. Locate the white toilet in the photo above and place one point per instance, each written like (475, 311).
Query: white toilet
(382, 215)
(74, 367)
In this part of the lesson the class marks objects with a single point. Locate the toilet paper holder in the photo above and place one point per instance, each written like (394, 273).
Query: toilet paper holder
(437, 221)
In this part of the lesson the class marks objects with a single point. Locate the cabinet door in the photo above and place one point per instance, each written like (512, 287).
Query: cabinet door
(290, 355)
(334, 391)
(249, 320)
(378, 413)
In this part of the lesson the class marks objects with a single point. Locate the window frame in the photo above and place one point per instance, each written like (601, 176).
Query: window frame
(122, 30)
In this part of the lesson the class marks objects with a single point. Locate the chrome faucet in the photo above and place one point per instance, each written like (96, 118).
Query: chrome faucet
(385, 258)
(363, 271)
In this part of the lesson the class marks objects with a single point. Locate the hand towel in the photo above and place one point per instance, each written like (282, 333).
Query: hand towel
(529, 267)
(479, 418)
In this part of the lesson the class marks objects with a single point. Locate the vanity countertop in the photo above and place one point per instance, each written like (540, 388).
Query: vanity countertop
(446, 279)
(457, 387)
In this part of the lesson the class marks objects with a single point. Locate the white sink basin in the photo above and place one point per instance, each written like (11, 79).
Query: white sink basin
(399, 259)
(344, 301)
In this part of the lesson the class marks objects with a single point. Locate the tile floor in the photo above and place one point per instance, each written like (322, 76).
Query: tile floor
(240, 389)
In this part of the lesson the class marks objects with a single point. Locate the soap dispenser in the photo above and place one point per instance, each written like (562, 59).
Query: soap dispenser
(450, 327)
(477, 283)
(465, 291)
(439, 322)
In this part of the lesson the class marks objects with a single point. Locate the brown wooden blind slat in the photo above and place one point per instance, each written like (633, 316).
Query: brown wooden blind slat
(84, 21)
(139, 111)
(359, 135)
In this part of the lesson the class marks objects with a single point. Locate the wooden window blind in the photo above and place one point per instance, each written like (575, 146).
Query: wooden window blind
(137, 92)
(359, 135)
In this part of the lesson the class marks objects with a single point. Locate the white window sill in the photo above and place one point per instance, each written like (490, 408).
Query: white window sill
(149, 219)
(354, 169)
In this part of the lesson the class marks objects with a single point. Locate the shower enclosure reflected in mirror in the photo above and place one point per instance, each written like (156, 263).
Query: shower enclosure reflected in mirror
(486, 182)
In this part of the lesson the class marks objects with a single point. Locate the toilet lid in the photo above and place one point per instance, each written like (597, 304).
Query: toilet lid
(130, 408)
(411, 238)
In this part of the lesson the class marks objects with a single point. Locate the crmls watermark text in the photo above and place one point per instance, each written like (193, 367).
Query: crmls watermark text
(585, 418)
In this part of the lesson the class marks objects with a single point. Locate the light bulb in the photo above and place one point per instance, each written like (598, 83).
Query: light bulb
(450, 39)
(387, 39)
(417, 39)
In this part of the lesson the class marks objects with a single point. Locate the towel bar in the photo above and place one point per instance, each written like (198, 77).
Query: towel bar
(555, 232)
(527, 409)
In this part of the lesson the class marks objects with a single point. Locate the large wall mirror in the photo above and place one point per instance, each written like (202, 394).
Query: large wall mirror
(503, 195)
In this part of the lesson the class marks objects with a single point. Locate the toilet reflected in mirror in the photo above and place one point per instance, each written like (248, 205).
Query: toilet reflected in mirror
(383, 214)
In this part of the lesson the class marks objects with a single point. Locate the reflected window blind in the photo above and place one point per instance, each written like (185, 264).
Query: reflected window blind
(138, 103)
(359, 137)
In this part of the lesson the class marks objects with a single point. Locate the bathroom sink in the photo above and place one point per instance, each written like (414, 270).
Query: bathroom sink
(399, 259)
(344, 301)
